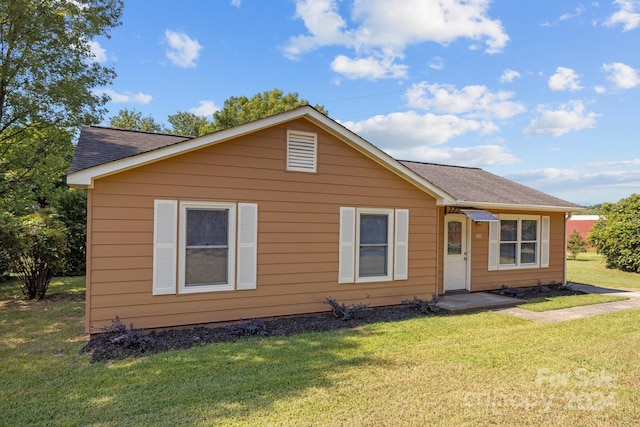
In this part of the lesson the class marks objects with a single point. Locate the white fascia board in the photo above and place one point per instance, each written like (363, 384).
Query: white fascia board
(85, 178)
(502, 206)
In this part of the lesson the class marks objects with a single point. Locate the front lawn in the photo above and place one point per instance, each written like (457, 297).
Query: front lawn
(590, 269)
(487, 368)
(557, 303)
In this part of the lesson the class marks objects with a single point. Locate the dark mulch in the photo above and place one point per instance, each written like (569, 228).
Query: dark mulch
(120, 341)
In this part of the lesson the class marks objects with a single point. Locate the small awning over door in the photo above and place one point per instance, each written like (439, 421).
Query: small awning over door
(479, 215)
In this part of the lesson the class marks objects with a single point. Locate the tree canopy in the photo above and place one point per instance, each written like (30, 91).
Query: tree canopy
(617, 234)
(48, 82)
(236, 111)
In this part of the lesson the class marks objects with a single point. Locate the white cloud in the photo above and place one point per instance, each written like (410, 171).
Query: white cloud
(368, 68)
(568, 118)
(614, 163)
(374, 32)
(183, 51)
(437, 63)
(474, 101)
(127, 97)
(578, 11)
(628, 15)
(622, 75)
(478, 156)
(206, 108)
(410, 129)
(98, 53)
(235, 3)
(509, 75)
(600, 89)
(564, 79)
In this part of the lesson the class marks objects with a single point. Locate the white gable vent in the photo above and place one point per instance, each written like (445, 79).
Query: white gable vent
(302, 151)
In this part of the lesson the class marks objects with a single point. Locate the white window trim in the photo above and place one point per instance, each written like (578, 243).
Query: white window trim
(231, 262)
(518, 242)
(390, 244)
(309, 165)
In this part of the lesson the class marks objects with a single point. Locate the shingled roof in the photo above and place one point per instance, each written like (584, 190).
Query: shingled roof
(476, 186)
(99, 145)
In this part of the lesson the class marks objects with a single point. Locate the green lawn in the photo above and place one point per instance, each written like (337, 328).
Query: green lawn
(483, 368)
(557, 303)
(589, 268)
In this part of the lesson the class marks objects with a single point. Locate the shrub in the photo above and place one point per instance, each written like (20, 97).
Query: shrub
(423, 306)
(130, 337)
(35, 248)
(346, 312)
(617, 234)
(254, 327)
(71, 207)
(576, 244)
(511, 292)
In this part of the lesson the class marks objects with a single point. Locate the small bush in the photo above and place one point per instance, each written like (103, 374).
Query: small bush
(254, 327)
(130, 337)
(423, 306)
(511, 292)
(346, 312)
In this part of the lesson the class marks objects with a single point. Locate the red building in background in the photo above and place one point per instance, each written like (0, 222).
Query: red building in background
(582, 223)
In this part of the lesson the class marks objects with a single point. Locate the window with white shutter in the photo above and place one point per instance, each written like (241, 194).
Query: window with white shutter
(302, 151)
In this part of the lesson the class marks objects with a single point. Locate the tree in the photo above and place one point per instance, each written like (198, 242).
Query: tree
(48, 81)
(576, 244)
(70, 206)
(617, 234)
(35, 247)
(240, 110)
(133, 120)
(185, 123)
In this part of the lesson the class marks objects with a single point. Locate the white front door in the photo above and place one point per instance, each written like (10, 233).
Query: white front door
(455, 253)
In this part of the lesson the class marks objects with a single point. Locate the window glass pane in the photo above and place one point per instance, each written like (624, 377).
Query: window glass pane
(206, 266)
(508, 253)
(454, 236)
(373, 229)
(528, 253)
(207, 227)
(509, 230)
(373, 261)
(529, 229)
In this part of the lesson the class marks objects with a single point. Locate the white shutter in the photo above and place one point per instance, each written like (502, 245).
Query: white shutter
(400, 272)
(301, 151)
(544, 242)
(247, 245)
(494, 245)
(165, 224)
(346, 263)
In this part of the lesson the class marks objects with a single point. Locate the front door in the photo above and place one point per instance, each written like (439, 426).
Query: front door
(455, 253)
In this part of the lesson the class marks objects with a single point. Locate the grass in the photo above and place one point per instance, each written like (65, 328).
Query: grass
(483, 367)
(589, 268)
(556, 303)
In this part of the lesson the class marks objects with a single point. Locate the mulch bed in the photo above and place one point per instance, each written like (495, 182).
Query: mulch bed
(119, 341)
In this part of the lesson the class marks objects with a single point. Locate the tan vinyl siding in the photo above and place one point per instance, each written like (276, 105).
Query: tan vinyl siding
(482, 279)
(298, 230)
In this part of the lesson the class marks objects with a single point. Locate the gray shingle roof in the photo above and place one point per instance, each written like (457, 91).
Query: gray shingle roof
(475, 185)
(99, 145)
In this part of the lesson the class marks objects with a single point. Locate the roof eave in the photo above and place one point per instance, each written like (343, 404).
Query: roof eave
(509, 206)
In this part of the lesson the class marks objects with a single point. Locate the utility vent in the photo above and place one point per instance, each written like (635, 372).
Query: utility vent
(302, 149)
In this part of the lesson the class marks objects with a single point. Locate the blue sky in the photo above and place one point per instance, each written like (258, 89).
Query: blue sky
(545, 92)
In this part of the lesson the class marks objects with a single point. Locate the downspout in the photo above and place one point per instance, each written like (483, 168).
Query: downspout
(567, 215)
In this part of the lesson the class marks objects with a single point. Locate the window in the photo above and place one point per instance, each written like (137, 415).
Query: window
(302, 148)
(202, 240)
(519, 242)
(207, 246)
(373, 244)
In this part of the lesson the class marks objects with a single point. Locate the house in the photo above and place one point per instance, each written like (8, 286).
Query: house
(582, 224)
(271, 217)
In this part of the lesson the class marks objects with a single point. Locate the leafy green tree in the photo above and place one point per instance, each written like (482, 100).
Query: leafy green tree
(240, 110)
(48, 82)
(185, 123)
(35, 246)
(133, 120)
(70, 206)
(617, 234)
(576, 244)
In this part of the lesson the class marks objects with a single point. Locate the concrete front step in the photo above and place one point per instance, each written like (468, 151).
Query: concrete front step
(476, 301)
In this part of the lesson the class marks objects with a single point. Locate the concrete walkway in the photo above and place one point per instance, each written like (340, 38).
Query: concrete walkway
(572, 313)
